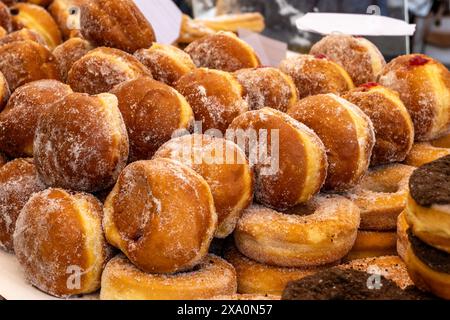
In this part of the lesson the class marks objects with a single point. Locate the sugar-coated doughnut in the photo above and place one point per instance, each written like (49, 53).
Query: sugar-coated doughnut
(117, 24)
(394, 129)
(425, 152)
(222, 51)
(346, 132)
(102, 68)
(424, 86)
(81, 143)
(298, 162)
(267, 87)
(152, 112)
(5, 18)
(60, 244)
(122, 280)
(370, 244)
(226, 169)
(216, 97)
(23, 35)
(69, 52)
(402, 235)
(18, 122)
(320, 232)
(161, 215)
(67, 15)
(360, 57)
(4, 91)
(314, 75)
(166, 63)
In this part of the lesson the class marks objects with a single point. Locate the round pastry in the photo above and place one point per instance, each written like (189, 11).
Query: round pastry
(360, 57)
(26, 61)
(19, 120)
(81, 143)
(161, 215)
(443, 142)
(23, 35)
(117, 24)
(423, 153)
(166, 63)
(381, 196)
(121, 280)
(216, 97)
(394, 129)
(60, 244)
(226, 169)
(346, 132)
(101, 69)
(4, 91)
(18, 181)
(69, 52)
(370, 244)
(222, 51)
(152, 112)
(5, 18)
(317, 233)
(314, 75)
(424, 86)
(402, 235)
(67, 15)
(294, 166)
(267, 87)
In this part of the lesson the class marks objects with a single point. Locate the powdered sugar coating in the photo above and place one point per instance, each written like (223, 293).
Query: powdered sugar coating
(69, 52)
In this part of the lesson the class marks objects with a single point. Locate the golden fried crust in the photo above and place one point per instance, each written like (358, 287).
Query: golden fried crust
(144, 211)
(117, 24)
(152, 112)
(101, 69)
(423, 153)
(59, 238)
(371, 244)
(60, 11)
(18, 122)
(81, 143)
(223, 51)
(4, 91)
(121, 280)
(22, 35)
(226, 169)
(18, 181)
(5, 18)
(402, 235)
(69, 52)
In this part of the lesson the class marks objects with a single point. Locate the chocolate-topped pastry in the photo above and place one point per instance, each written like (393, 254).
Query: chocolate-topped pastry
(435, 259)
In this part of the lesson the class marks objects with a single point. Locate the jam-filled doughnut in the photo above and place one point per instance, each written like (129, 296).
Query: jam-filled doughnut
(222, 51)
(394, 129)
(122, 280)
(60, 244)
(161, 215)
(360, 57)
(166, 63)
(5, 18)
(425, 152)
(314, 75)
(424, 86)
(346, 132)
(117, 24)
(81, 143)
(19, 120)
(317, 233)
(402, 235)
(18, 181)
(370, 244)
(226, 169)
(216, 97)
(267, 87)
(102, 68)
(67, 15)
(23, 35)
(152, 112)
(295, 166)
(4, 91)
(69, 52)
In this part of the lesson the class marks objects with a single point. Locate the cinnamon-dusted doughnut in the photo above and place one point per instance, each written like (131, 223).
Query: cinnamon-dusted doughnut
(101, 69)
(317, 233)
(316, 75)
(216, 97)
(425, 152)
(69, 52)
(152, 112)
(166, 63)
(295, 167)
(222, 51)
(26, 61)
(161, 215)
(4, 91)
(424, 86)
(402, 235)
(394, 129)
(226, 169)
(370, 244)
(59, 242)
(360, 57)
(5, 18)
(22, 35)
(18, 181)
(81, 143)
(346, 132)
(18, 122)
(65, 12)
(267, 87)
(116, 23)
(121, 280)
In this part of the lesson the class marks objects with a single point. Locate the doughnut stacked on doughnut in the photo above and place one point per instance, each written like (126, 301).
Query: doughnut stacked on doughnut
(69, 52)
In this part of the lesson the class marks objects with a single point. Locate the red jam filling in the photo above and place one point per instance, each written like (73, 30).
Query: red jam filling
(418, 61)
(370, 85)
(320, 56)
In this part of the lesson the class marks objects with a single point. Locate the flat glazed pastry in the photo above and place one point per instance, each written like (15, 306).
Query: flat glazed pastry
(423, 153)
(424, 86)
(64, 12)
(59, 242)
(369, 244)
(4, 91)
(69, 52)
(253, 21)
(81, 143)
(23, 35)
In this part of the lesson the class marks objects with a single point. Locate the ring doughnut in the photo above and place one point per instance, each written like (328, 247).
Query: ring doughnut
(4, 91)
(423, 153)
(402, 235)
(23, 35)
(69, 52)
(370, 244)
